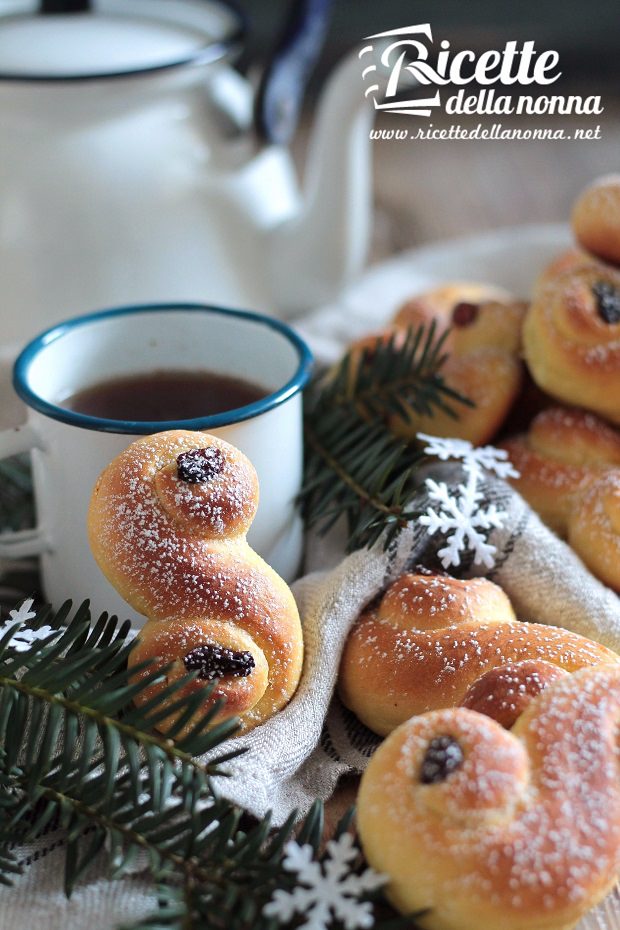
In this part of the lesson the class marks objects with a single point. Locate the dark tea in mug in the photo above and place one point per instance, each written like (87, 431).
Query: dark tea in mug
(164, 395)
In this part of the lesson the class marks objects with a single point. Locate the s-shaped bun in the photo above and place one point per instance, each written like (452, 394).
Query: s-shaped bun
(563, 451)
(167, 525)
(431, 641)
(479, 827)
(569, 472)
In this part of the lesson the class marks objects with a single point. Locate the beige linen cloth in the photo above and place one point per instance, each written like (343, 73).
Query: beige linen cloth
(299, 754)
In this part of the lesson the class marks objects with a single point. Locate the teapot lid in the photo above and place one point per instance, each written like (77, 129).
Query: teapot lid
(69, 40)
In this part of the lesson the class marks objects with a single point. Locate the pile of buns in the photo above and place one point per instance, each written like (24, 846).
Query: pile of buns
(494, 801)
(544, 379)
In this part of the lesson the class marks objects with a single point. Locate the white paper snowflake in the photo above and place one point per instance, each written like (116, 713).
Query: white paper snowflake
(24, 637)
(327, 889)
(461, 516)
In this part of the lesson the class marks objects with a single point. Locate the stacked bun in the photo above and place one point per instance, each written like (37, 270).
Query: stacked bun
(596, 218)
(571, 336)
(569, 472)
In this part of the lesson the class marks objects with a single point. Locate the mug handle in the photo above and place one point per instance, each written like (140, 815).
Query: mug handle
(21, 543)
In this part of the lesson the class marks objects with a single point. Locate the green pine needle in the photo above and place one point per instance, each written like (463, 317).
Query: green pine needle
(356, 467)
(77, 754)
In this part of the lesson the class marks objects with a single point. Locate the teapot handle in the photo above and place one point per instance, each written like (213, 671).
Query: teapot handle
(282, 88)
(47, 7)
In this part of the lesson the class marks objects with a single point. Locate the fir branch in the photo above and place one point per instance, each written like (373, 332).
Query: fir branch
(356, 467)
(77, 754)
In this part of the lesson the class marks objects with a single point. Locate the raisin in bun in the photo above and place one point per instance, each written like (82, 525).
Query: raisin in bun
(167, 524)
(571, 339)
(479, 827)
(596, 218)
(432, 637)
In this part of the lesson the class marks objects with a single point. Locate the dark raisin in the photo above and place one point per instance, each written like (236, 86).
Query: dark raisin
(464, 314)
(608, 301)
(212, 661)
(443, 756)
(200, 465)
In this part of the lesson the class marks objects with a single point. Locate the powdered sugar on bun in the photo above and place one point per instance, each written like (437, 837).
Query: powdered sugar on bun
(518, 830)
(167, 525)
(432, 637)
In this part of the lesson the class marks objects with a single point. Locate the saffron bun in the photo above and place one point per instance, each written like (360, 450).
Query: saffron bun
(432, 637)
(571, 339)
(596, 218)
(480, 827)
(594, 527)
(167, 525)
(563, 451)
(489, 378)
(482, 327)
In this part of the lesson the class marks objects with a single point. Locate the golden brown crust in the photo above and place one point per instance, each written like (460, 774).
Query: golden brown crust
(177, 552)
(521, 831)
(596, 218)
(432, 637)
(495, 325)
(479, 316)
(563, 451)
(572, 351)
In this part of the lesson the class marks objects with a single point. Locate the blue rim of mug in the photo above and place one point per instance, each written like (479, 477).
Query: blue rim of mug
(204, 55)
(25, 359)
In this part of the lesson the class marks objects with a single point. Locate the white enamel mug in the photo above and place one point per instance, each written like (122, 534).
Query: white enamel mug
(70, 449)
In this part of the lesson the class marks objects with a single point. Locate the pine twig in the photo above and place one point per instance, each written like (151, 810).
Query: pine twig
(356, 466)
(76, 753)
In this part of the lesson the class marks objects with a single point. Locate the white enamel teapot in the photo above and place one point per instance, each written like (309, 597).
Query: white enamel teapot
(130, 172)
